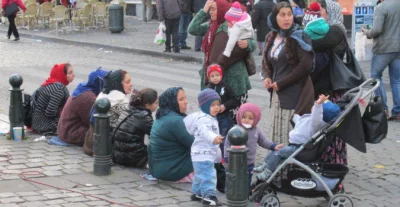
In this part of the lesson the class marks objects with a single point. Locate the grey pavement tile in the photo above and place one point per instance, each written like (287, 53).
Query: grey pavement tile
(17, 161)
(9, 177)
(122, 200)
(55, 202)
(72, 166)
(36, 155)
(52, 158)
(97, 203)
(16, 167)
(52, 173)
(109, 186)
(33, 204)
(35, 198)
(164, 201)
(85, 178)
(27, 193)
(55, 154)
(77, 199)
(128, 185)
(7, 195)
(10, 205)
(54, 163)
(11, 200)
(35, 164)
(53, 168)
(74, 205)
(145, 203)
(72, 171)
(16, 186)
(97, 192)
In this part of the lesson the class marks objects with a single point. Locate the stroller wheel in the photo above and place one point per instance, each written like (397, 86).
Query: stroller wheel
(260, 191)
(340, 200)
(270, 200)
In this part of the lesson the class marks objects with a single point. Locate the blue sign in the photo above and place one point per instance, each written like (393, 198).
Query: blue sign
(363, 16)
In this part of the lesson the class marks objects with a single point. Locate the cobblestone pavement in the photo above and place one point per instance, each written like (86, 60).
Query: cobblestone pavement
(69, 168)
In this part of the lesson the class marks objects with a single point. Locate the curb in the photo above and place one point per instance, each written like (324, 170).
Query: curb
(185, 58)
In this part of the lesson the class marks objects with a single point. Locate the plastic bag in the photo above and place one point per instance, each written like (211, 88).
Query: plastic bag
(363, 47)
(160, 36)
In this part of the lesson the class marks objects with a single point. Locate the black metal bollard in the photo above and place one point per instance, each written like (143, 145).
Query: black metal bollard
(101, 139)
(237, 186)
(16, 112)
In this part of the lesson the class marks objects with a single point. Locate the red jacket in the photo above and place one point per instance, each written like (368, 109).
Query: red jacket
(21, 5)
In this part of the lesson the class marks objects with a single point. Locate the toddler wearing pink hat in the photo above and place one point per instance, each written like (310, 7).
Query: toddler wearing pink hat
(240, 27)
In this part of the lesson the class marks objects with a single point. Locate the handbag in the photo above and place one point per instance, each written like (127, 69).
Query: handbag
(250, 64)
(374, 121)
(347, 73)
(11, 9)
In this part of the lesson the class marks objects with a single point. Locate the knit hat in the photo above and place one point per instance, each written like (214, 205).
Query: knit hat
(317, 29)
(249, 107)
(234, 14)
(314, 7)
(330, 111)
(212, 68)
(206, 98)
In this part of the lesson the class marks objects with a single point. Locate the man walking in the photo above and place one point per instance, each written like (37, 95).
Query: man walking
(169, 12)
(147, 6)
(186, 17)
(386, 50)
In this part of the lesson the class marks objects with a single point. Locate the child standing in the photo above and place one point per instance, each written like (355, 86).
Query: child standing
(248, 117)
(240, 27)
(205, 149)
(307, 125)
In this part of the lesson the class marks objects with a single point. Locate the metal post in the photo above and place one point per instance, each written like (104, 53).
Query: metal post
(16, 112)
(101, 139)
(237, 184)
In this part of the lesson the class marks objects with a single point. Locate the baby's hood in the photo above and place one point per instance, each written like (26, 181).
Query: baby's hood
(317, 27)
(245, 22)
(249, 107)
(192, 121)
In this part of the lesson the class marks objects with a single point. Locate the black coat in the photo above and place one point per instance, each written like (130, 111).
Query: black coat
(128, 140)
(228, 99)
(259, 18)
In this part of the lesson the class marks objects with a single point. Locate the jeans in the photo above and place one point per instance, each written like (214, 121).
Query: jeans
(250, 172)
(224, 124)
(205, 179)
(172, 26)
(261, 46)
(378, 65)
(12, 28)
(147, 6)
(273, 159)
(184, 22)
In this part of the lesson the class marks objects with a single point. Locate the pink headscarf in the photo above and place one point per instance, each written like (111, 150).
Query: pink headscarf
(252, 108)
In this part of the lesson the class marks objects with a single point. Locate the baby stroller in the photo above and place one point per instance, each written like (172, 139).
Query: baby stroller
(301, 175)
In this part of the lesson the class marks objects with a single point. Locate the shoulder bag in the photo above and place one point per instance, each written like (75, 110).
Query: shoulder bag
(10, 9)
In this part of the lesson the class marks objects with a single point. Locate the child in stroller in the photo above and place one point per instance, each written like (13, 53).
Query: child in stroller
(322, 112)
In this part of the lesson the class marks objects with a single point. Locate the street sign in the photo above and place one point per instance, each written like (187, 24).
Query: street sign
(363, 17)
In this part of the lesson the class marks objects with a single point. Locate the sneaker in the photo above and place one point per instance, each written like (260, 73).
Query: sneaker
(167, 50)
(211, 201)
(8, 37)
(394, 118)
(264, 175)
(176, 51)
(185, 47)
(16, 39)
(195, 197)
(259, 169)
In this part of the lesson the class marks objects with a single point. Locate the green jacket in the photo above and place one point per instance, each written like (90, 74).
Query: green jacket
(169, 149)
(236, 75)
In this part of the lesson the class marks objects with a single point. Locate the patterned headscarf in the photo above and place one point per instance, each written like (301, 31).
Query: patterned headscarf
(113, 82)
(168, 101)
(335, 15)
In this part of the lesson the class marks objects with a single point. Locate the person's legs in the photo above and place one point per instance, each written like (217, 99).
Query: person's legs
(12, 28)
(197, 167)
(183, 27)
(149, 6)
(378, 65)
(168, 32)
(144, 5)
(224, 124)
(394, 75)
(250, 169)
(175, 36)
(272, 161)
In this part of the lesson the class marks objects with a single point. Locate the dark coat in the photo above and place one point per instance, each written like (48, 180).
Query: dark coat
(128, 139)
(259, 18)
(186, 6)
(228, 98)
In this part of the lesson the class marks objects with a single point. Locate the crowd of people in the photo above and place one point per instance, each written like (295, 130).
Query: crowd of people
(193, 148)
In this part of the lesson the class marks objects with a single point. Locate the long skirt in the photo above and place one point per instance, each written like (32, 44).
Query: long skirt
(280, 122)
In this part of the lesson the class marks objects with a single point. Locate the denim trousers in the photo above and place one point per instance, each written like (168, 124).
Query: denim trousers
(205, 179)
(273, 159)
(378, 64)
(184, 22)
(224, 124)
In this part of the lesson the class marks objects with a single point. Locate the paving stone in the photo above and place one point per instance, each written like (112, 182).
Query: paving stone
(16, 167)
(56, 201)
(146, 203)
(74, 205)
(97, 203)
(27, 193)
(36, 160)
(52, 173)
(36, 155)
(55, 196)
(72, 171)
(54, 162)
(52, 158)
(33, 204)
(7, 195)
(72, 166)
(98, 192)
(17, 161)
(35, 198)
(77, 199)
(52, 168)
(85, 178)
(11, 200)
(122, 200)
(35, 164)
(164, 201)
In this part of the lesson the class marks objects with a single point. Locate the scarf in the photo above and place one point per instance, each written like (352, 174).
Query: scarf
(168, 101)
(95, 83)
(57, 75)
(113, 82)
(222, 7)
(335, 16)
(273, 25)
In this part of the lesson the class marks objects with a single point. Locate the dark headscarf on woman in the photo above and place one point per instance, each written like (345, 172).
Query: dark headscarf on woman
(57, 74)
(113, 82)
(222, 7)
(95, 83)
(168, 101)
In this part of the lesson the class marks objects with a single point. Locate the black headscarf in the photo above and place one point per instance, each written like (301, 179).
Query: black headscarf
(273, 24)
(113, 82)
(168, 101)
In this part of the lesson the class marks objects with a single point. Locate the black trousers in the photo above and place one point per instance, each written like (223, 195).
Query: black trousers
(12, 28)
(172, 29)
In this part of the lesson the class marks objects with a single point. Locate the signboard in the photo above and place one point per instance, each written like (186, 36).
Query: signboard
(363, 17)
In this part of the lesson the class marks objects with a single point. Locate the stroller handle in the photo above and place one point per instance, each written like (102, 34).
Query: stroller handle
(375, 83)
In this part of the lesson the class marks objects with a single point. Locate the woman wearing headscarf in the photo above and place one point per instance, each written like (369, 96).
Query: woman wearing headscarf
(287, 63)
(169, 149)
(117, 89)
(74, 120)
(333, 41)
(215, 38)
(50, 98)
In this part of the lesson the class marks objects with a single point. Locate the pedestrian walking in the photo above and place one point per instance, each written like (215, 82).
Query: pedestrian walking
(386, 51)
(147, 8)
(259, 19)
(169, 13)
(186, 17)
(12, 28)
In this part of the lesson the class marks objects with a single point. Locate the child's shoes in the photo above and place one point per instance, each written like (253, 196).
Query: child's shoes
(260, 168)
(211, 201)
(264, 175)
(195, 197)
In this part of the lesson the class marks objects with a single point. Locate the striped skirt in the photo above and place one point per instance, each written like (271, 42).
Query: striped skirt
(280, 122)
